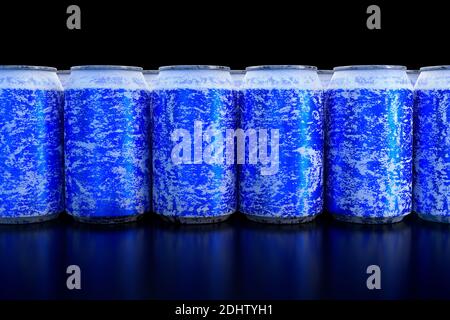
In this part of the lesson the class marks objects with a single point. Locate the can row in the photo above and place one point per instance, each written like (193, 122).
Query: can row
(193, 146)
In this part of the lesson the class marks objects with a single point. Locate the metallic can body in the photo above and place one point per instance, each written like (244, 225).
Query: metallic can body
(431, 195)
(191, 105)
(280, 180)
(31, 144)
(107, 144)
(369, 144)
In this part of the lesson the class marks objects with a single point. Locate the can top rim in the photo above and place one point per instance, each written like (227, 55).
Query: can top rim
(370, 67)
(280, 67)
(237, 71)
(63, 71)
(194, 67)
(27, 67)
(412, 71)
(325, 71)
(435, 68)
(150, 71)
(106, 67)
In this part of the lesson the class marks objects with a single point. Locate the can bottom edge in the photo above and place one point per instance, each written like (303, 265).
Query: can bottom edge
(433, 218)
(280, 220)
(194, 220)
(108, 220)
(368, 220)
(28, 220)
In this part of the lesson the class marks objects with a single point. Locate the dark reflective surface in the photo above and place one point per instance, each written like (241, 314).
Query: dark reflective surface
(237, 259)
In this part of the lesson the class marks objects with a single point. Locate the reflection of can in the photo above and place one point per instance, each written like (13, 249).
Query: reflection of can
(413, 75)
(63, 76)
(31, 157)
(432, 144)
(150, 77)
(106, 144)
(194, 174)
(280, 176)
(325, 77)
(369, 144)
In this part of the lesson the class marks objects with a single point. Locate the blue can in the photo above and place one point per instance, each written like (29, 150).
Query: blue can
(431, 197)
(31, 144)
(107, 144)
(369, 144)
(63, 76)
(194, 173)
(280, 148)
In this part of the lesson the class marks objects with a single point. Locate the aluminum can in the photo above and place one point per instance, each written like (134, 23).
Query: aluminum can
(31, 144)
(107, 144)
(325, 77)
(369, 144)
(280, 171)
(63, 76)
(431, 193)
(150, 77)
(413, 75)
(194, 172)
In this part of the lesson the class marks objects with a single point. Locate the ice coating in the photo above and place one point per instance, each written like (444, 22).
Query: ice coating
(434, 79)
(370, 79)
(282, 79)
(289, 101)
(107, 79)
(431, 193)
(31, 153)
(369, 146)
(29, 79)
(107, 145)
(194, 79)
(196, 190)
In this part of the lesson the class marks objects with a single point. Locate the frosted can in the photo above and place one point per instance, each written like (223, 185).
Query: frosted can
(63, 76)
(107, 144)
(369, 144)
(237, 76)
(413, 75)
(31, 144)
(194, 172)
(431, 197)
(150, 77)
(325, 77)
(280, 146)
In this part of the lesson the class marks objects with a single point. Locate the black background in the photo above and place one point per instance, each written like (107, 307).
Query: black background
(233, 33)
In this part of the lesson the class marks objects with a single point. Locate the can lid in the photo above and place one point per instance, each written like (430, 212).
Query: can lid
(25, 67)
(280, 67)
(106, 67)
(325, 71)
(370, 67)
(194, 67)
(435, 68)
(150, 71)
(237, 71)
